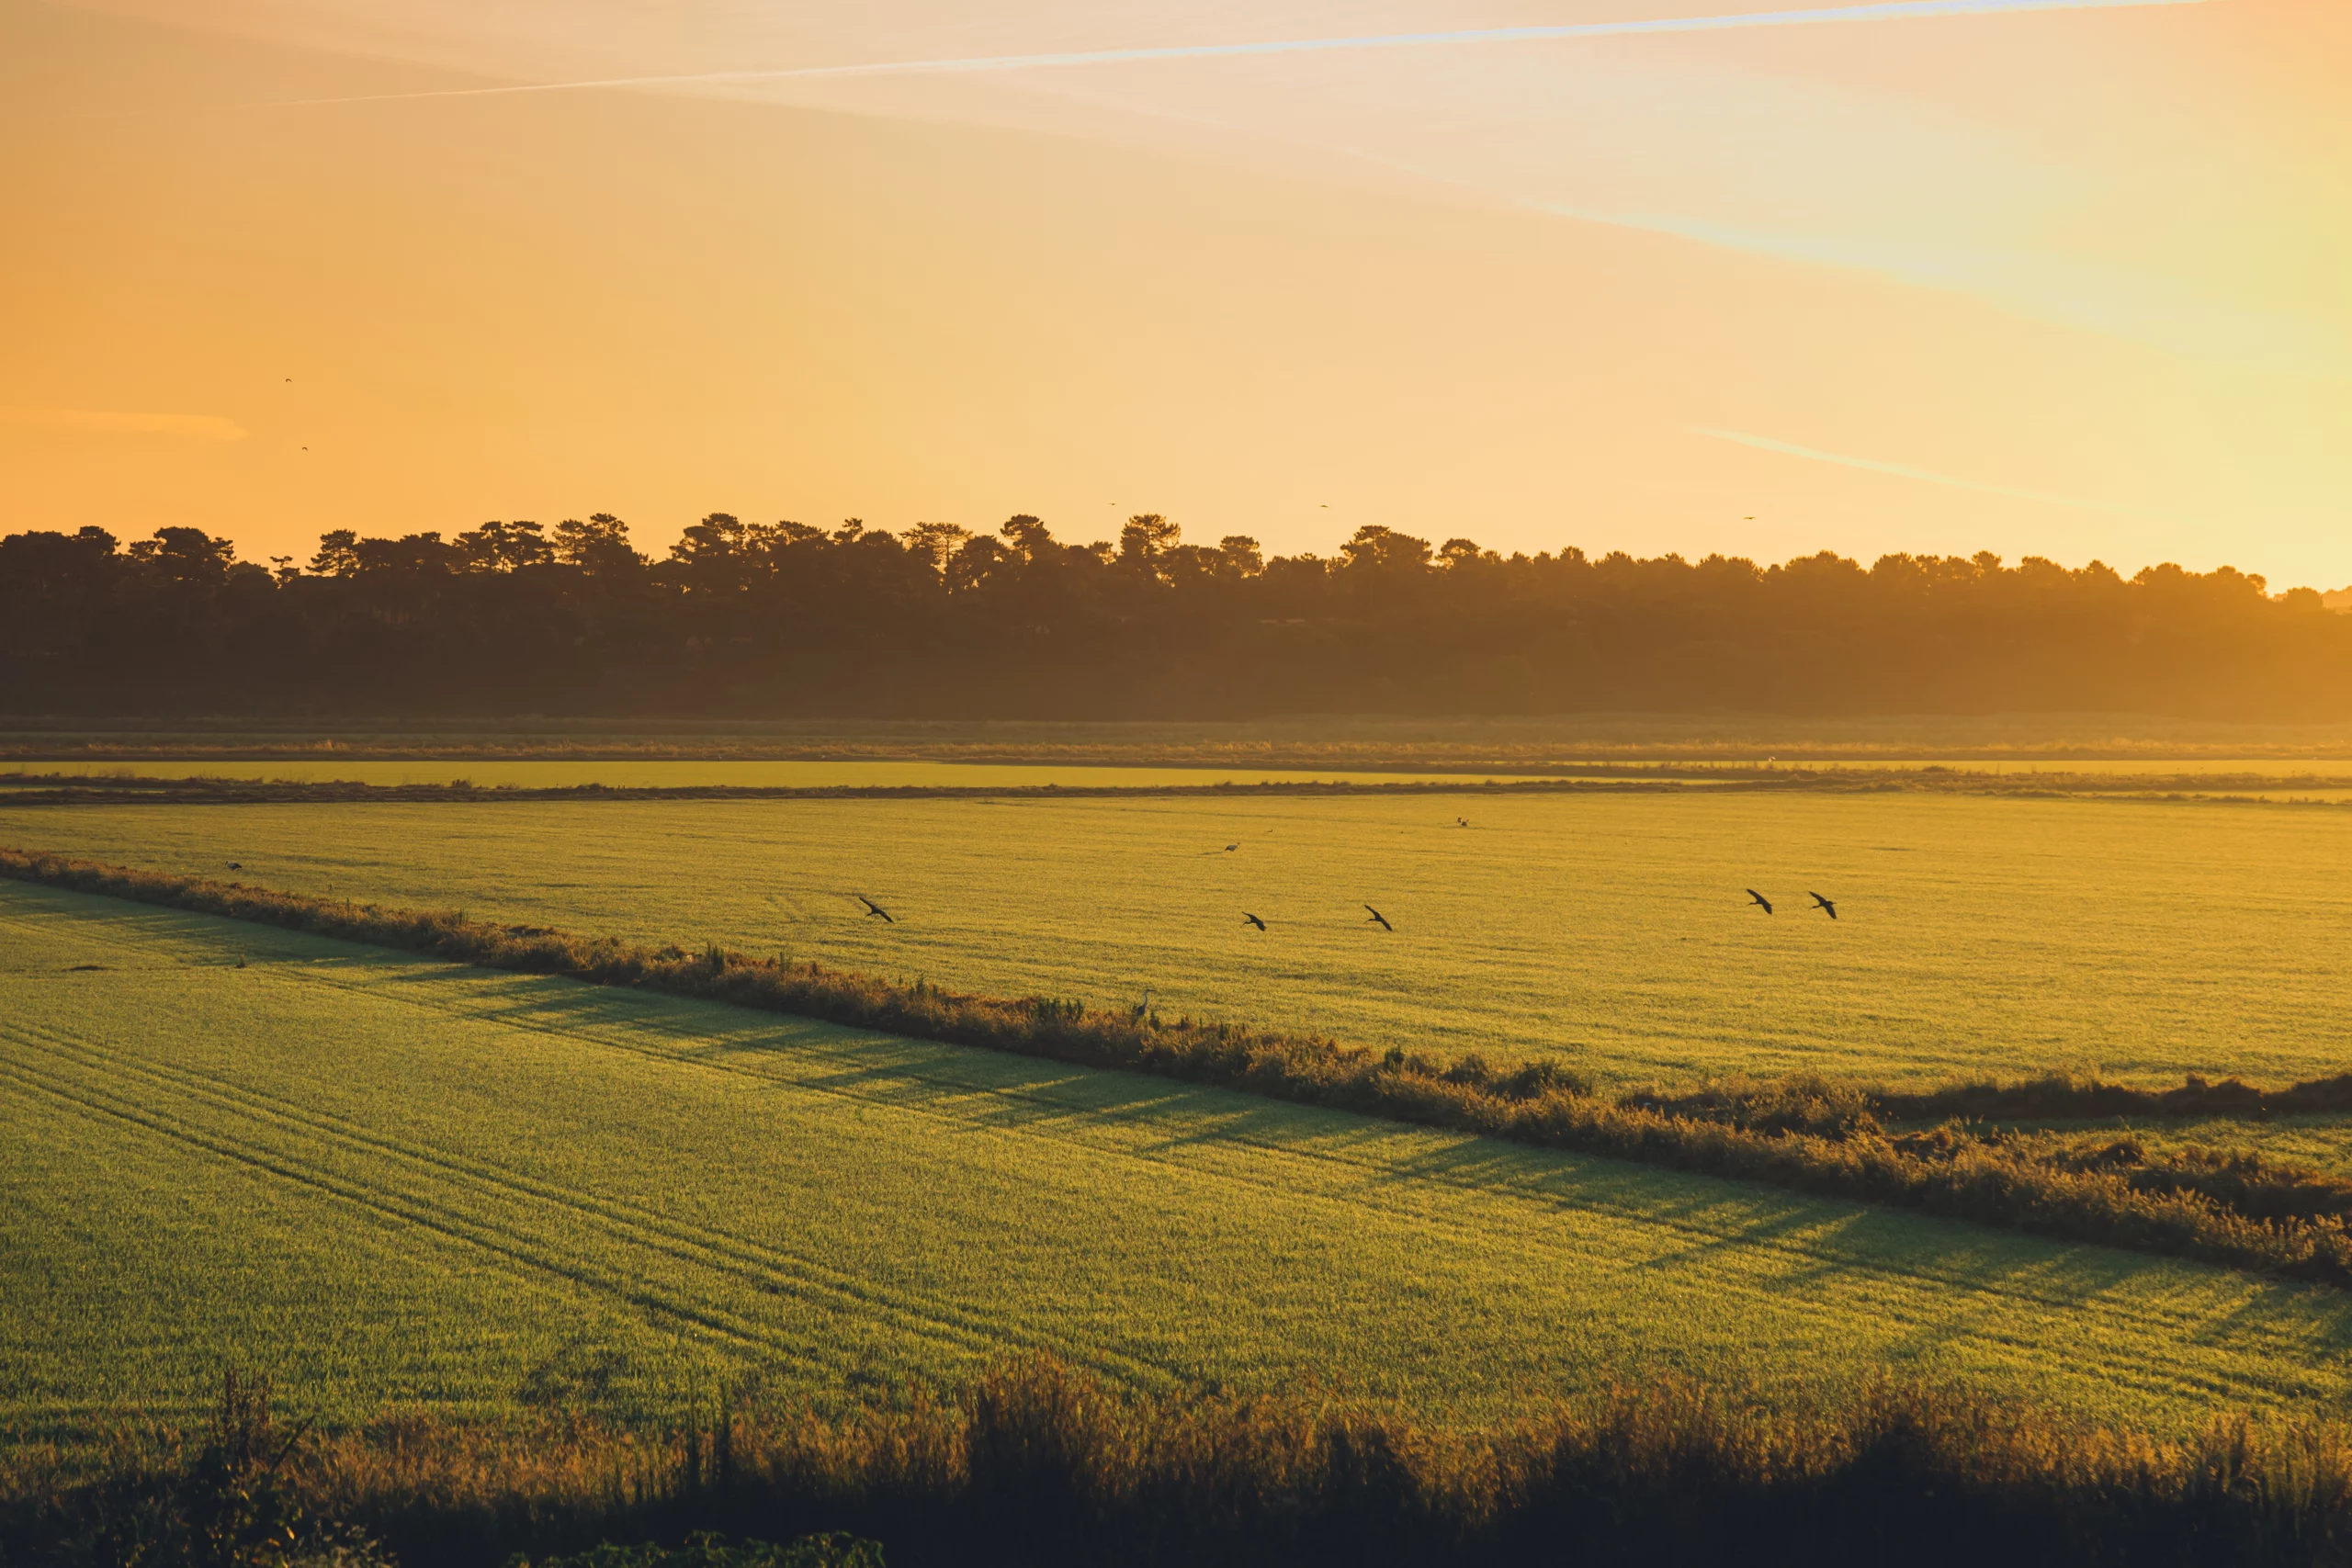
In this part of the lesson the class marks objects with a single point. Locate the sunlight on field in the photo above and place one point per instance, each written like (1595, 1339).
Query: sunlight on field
(388, 1180)
(1973, 936)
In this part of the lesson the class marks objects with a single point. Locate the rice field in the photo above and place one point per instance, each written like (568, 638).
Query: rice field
(400, 1184)
(1975, 935)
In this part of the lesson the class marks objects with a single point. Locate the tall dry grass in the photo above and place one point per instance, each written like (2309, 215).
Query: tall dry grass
(1034, 1463)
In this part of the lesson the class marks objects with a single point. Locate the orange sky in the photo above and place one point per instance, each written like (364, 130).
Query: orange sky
(2073, 283)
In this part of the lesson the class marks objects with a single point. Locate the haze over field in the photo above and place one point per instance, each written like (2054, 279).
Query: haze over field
(1367, 784)
(1977, 938)
(2051, 278)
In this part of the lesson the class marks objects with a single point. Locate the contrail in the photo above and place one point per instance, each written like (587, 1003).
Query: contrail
(1790, 449)
(1884, 11)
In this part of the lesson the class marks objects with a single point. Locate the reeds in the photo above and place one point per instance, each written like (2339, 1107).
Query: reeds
(1034, 1463)
(1806, 1134)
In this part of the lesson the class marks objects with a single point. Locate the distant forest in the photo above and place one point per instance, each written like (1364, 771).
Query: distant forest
(749, 619)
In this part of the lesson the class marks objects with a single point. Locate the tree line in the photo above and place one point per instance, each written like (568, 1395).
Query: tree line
(935, 621)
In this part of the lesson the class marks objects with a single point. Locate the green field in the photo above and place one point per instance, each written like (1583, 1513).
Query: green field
(1976, 935)
(396, 1183)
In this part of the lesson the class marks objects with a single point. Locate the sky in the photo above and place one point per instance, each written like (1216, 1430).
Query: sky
(2035, 276)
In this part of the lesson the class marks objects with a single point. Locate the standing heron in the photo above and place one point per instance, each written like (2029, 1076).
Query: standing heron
(1824, 903)
(1376, 915)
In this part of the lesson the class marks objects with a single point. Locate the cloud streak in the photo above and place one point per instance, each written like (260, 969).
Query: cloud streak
(202, 426)
(1926, 476)
(1882, 11)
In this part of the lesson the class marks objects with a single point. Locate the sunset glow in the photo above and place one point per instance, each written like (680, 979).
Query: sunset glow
(2052, 279)
(1360, 784)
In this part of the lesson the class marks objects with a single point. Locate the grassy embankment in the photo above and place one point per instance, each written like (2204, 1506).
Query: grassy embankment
(1805, 1135)
(391, 1181)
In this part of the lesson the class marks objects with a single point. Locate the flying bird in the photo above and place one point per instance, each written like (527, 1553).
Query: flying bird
(1755, 897)
(1824, 903)
(1249, 919)
(874, 909)
(1376, 915)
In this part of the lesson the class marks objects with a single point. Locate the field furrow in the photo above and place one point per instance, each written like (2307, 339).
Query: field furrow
(511, 1213)
(392, 1180)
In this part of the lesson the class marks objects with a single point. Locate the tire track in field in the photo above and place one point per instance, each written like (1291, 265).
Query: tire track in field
(2180, 1323)
(775, 1273)
(371, 987)
(738, 1257)
(1778, 1298)
(387, 1204)
(1866, 1279)
(2183, 1324)
(1364, 1176)
(621, 1216)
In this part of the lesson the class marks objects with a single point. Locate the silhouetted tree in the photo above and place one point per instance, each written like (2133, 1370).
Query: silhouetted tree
(786, 617)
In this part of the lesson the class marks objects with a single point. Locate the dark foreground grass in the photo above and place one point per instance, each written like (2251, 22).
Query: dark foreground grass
(1032, 1463)
(1804, 1135)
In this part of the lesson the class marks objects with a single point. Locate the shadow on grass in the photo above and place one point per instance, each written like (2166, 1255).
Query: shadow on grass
(1822, 1246)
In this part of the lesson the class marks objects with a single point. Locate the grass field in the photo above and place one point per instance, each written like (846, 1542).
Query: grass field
(1975, 935)
(390, 1180)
